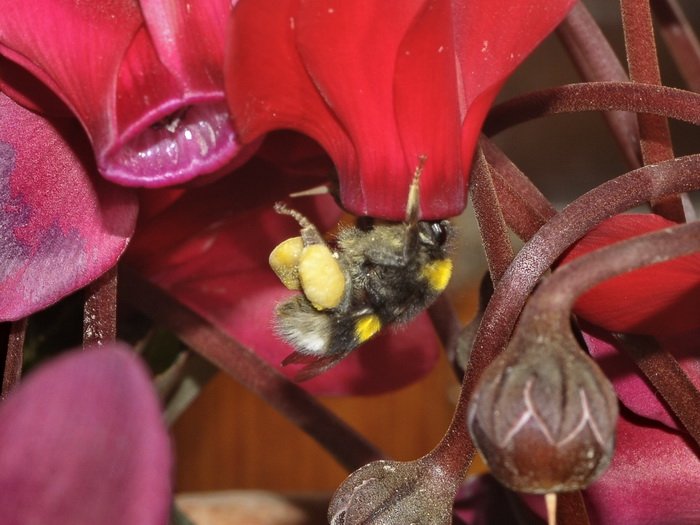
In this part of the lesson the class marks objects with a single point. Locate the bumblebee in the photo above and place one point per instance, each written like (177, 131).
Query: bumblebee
(373, 276)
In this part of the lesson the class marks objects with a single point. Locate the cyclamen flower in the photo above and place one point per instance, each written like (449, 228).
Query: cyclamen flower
(145, 79)
(381, 84)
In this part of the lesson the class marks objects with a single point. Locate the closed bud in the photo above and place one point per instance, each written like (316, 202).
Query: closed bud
(388, 492)
(544, 415)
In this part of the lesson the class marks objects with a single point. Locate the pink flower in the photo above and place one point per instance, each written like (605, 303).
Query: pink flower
(653, 479)
(380, 84)
(82, 441)
(61, 225)
(145, 79)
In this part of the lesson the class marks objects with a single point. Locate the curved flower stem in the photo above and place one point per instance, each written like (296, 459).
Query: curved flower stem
(446, 323)
(596, 61)
(348, 447)
(668, 378)
(554, 299)
(571, 509)
(558, 294)
(524, 208)
(455, 451)
(595, 96)
(100, 312)
(655, 135)
(680, 39)
(492, 226)
(12, 371)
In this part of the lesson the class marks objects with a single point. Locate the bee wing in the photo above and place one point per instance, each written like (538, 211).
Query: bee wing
(314, 365)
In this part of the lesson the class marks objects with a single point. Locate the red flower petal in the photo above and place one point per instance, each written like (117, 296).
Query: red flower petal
(284, 94)
(388, 72)
(660, 299)
(28, 91)
(214, 260)
(82, 442)
(153, 120)
(428, 115)
(492, 38)
(364, 101)
(51, 38)
(62, 226)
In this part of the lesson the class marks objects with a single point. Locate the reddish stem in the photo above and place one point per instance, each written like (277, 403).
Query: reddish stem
(655, 135)
(14, 358)
(596, 61)
(680, 39)
(595, 96)
(100, 313)
(494, 232)
(524, 208)
(350, 448)
(456, 450)
(571, 510)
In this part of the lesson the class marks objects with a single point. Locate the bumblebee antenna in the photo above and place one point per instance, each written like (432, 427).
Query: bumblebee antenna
(413, 204)
(309, 232)
(413, 211)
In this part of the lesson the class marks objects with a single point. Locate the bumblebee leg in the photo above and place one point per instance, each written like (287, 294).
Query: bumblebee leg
(306, 329)
(284, 260)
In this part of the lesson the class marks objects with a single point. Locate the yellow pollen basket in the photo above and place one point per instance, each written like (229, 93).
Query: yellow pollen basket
(284, 261)
(438, 273)
(321, 277)
(366, 327)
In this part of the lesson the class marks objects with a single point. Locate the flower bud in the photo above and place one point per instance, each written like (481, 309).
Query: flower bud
(388, 492)
(544, 415)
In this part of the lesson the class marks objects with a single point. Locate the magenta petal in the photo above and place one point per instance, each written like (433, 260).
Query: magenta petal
(653, 480)
(633, 389)
(153, 119)
(61, 226)
(82, 442)
(27, 90)
(190, 38)
(75, 48)
(168, 133)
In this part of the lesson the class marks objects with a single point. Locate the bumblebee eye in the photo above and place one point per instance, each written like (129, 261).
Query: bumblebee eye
(439, 231)
(364, 224)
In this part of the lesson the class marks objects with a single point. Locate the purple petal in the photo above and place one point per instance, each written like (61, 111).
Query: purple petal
(62, 226)
(82, 442)
(633, 389)
(653, 480)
